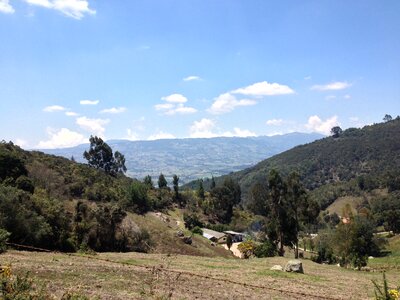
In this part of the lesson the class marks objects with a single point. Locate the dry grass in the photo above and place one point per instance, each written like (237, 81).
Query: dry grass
(174, 276)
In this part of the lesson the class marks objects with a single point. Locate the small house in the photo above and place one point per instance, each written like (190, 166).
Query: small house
(236, 236)
(214, 236)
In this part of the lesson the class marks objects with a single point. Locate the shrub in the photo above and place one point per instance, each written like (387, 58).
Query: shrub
(197, 230)
(266, 249)
(191, 221)
(4, 235)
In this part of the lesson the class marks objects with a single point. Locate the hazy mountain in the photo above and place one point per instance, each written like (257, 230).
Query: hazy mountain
(195, 158)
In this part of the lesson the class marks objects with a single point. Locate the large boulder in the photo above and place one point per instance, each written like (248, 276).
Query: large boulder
(295, 266)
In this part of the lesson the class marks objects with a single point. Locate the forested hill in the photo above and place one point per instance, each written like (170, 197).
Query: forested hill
(368, 154)
(191, 159)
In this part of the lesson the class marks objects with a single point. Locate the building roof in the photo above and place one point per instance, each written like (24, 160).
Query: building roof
(234, 232)
(208, 233)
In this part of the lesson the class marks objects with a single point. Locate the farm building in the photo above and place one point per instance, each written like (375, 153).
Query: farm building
(214, 236)
(236, 236)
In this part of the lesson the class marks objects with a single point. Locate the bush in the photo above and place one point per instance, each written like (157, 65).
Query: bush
(197, 230)
(266, 249)
(191, 221)
(4, 235)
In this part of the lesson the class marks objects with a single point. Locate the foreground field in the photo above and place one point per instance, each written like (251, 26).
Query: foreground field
(156, 276)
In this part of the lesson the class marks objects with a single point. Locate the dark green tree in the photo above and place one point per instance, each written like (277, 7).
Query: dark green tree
(224, 198)
(175, 183)
(200, 190)
(100, 156)
(336, 131)
(148, 182)
(137, 198)
(387, 118)
(229, 241)
(212, 182)
(162, 182)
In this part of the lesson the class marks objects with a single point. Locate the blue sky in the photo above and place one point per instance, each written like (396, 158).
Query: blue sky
(193, 68)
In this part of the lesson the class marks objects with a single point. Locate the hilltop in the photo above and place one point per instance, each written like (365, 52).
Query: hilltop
(333, 167)
(191, 159)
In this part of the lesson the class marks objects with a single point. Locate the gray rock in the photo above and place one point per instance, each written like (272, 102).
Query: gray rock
(180, 233)
(277, 268)
(295, 266)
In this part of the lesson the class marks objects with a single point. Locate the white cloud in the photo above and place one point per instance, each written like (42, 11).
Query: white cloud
(61, 139)
(71, 114)
(239, 133)
(72, 8)
(227, 102)
(94, 126)
(53, 108)
(131, 135)
(89, 102)
(317, 125)
(191, 78)
(334, 86)
(160, 136)
(202, 129)
(181, 109)
(5, 7)
(22, 143)
(175, 105)
(113, 110)
(264, 88)
(347, 96)
(175, 98)
(274, 122)
(164, 106)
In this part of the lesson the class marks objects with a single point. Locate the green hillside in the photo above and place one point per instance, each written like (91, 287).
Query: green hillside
(55, 203)
(333, 167)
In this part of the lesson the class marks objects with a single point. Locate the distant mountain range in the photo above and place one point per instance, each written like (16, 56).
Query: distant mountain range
(191, 159)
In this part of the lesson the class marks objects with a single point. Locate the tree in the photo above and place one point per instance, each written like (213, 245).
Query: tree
(336, 131)
(200, 190)
(148, 182)
(387, 118)
(100, 156)
(162, 182)
(229, 241)
(212, 182)
(224, 198)
(137, 198)
(175, 183)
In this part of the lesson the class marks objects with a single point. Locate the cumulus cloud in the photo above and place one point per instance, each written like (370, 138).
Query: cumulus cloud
(94, 126)
(175, 98)
(160, 136)
(174, 105)
(71, 114)
(239, 133)
(61, 139)
(5, 7)
(89, 102)
(334, 86)
(21, 142)
(76, 9)
(317, 125)
(53, 108)
(131, 135)
(191, 78)
(274, 122)
(113, 110)
(202, 129)
(227, 102)
(264, 88)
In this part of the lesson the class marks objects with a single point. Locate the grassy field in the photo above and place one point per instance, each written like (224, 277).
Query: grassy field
(157, 276)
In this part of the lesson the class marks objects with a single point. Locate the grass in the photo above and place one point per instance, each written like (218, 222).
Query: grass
(166, 274)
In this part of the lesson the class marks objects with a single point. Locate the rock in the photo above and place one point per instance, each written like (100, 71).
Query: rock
(187, 240)
(277, 268)
(295, 266)
(179, 233)
(213, 244)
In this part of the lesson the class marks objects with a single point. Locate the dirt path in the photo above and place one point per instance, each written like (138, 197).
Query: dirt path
(234, 249)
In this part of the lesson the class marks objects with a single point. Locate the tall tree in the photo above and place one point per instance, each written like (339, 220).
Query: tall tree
(175, 183)
(100, 156)
(212, 182)
(200, 190)
(387, 118)
(162, 182)
(148, 181)
(336, 131)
